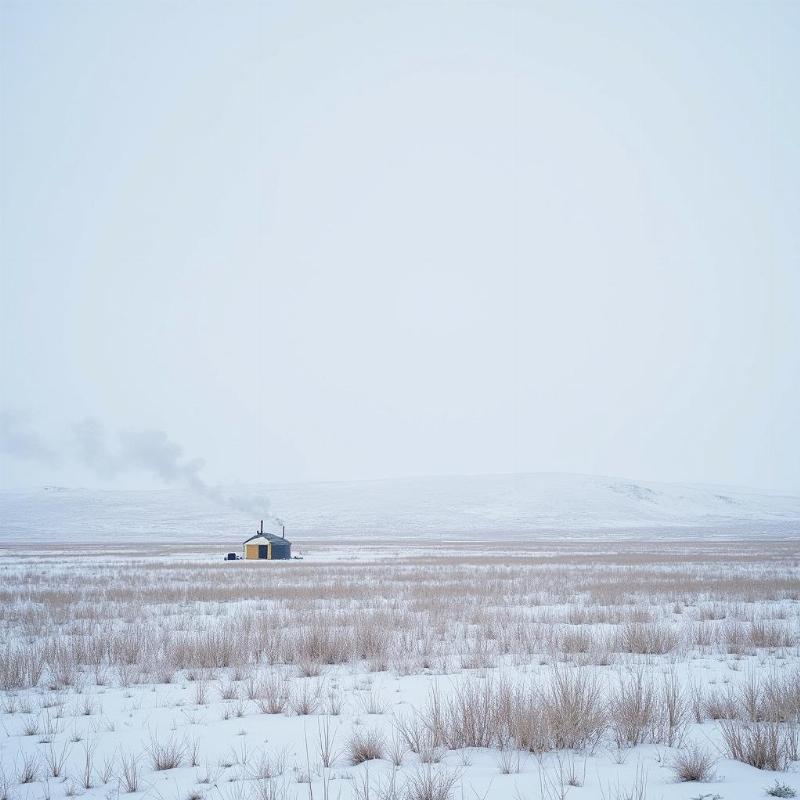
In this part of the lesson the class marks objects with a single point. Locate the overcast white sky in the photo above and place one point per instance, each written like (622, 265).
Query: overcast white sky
(351, 240)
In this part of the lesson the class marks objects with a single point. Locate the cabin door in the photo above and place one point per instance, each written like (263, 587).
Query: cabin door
(262, 551)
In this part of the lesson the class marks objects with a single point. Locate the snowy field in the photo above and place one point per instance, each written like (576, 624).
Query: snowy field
(589, 669)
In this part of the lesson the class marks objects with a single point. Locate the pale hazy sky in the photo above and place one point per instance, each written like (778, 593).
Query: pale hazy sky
(349, 240)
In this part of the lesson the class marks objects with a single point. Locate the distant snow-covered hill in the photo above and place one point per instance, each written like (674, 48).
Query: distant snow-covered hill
(485, 505)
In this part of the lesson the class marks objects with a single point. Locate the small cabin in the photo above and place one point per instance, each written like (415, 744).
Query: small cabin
(267, 546)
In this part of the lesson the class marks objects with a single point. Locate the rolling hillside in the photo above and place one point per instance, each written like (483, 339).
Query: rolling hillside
(487, 505)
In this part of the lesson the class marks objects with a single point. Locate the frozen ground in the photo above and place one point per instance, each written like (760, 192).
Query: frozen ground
(475, 670)
(500, 506)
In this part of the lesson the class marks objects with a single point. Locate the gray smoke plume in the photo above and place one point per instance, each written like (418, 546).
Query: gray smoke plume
(153, 453)
(18, 440)
(150, 452)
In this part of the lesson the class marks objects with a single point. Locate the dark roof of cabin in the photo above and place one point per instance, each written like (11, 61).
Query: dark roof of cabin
(269, 536)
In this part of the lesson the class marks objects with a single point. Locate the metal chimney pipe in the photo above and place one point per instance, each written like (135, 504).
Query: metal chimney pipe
(283, 531)
(262, 526)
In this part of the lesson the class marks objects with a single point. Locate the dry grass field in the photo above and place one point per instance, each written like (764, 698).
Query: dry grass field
(427, 671)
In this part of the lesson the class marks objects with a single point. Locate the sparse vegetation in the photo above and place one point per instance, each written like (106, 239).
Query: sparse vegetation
(552, 653)
(129, 773)
(167, 753)
(693, 763)
(781, 790)
(764, 745)
(365, 745)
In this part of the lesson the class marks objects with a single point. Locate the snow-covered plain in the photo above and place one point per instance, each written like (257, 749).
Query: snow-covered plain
(553, 662)
(507, 506)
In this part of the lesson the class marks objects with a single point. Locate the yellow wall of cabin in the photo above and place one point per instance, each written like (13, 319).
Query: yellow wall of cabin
(251, 551)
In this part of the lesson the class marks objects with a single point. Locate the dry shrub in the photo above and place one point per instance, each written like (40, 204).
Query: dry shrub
(633, 710)
(371, 640)
(771, 698)
(310, 669)
(509, 761)
(527, 721)
(736, 637)
(574, 709)
(21, 666)
(693, 763)
(28, 768)
(576, 640)
(321, 643)
(371, 701)
(129, 773)
(764, 745)
(5, 786)
(163, 671)
(640, 711)
(365, 745)
(266, 766)
(228, 690)
(107, 768)
(56, 758)
(780, 790)
(304, 698)
(212, 648)
(430, 782)
(420, 738)
(771, 635)
(272, 694)
(87, 767)
(397, 749)
(62, 663)
(649, 638)
(478, 652)
(697, 703)
(326, 740)
(776, 696)
(168, 754)
(566, 712)
(717, 706)
(200, 692)
(674, 711)
(30, 727)
(467, 717)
